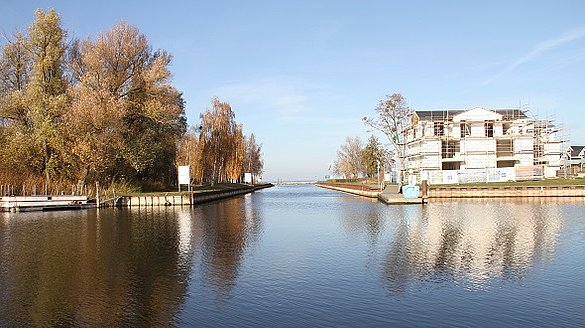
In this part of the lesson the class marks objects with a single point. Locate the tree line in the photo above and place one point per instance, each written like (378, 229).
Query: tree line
(80, 110)
(217, 150)
(355, 160)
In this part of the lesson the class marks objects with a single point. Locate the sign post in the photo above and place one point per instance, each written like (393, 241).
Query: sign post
(184, 177)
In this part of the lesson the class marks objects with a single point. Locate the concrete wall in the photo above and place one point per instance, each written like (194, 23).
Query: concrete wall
(181, 200)
(357, 192)
(507, 191)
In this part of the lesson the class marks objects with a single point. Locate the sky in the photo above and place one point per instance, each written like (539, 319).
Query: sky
(300, 75)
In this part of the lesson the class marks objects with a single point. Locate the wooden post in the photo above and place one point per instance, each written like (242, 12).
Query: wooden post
(424, 188)
(97, 194)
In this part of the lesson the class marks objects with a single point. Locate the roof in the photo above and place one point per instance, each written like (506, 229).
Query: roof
(576, 150)
(447, 114)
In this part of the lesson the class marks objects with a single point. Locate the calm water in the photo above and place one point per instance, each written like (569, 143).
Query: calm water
(298, 256)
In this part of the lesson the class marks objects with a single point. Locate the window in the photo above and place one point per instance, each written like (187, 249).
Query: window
(489, 129)
(449, 148)
(451, 166)
(465, 129)
(439, 128)
(504, 147)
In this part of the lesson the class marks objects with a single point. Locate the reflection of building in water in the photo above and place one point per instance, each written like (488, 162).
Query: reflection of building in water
(472, 242)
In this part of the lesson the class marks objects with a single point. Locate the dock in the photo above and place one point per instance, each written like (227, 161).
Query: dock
(43, 203)
(389, 196)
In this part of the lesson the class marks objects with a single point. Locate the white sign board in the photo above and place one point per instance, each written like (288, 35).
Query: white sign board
(184, 177)
(248, 177)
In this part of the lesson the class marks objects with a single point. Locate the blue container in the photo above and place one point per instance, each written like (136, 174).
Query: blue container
(410, 191)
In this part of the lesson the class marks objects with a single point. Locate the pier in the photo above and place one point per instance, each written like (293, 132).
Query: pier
(183, 199)
(389, 195)
(43, 203)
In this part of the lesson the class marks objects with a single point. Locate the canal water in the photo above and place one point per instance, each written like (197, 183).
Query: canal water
(298, 256)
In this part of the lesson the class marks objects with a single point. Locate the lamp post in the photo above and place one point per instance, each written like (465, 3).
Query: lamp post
(379, 184)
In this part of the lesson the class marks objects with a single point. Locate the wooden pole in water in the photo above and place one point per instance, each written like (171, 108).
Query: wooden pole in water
(97, 194)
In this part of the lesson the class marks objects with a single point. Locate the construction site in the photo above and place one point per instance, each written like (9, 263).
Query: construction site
(481, 145)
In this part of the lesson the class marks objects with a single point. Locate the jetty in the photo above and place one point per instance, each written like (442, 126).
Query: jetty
(70, 202)
(43, 203)
(389, 195)
(180, 199)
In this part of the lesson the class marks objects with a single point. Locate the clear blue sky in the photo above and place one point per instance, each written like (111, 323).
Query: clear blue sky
(301, 74)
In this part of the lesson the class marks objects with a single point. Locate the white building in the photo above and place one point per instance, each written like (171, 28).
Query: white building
(458, 146)
(574, 159)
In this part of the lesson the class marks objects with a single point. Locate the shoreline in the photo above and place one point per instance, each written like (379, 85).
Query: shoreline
(462, 191)
(180, 199)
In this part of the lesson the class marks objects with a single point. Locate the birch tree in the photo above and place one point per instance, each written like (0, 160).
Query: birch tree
(253, 162)
(349, 158)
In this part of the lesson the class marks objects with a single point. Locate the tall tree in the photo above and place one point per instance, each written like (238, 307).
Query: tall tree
(218, 130)
(253, 161)
(15, 72)
(373, 157)
(189, 152)
(45, 95)
(126, 115)
(393, 115)
(349, 158)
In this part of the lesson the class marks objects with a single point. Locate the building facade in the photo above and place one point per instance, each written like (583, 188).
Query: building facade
(574, 159)
(478, 144)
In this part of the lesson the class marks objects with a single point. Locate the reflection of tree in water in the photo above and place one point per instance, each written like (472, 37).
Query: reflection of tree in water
(471, 243)
(359, 217)
(118, 268)
(229, 227)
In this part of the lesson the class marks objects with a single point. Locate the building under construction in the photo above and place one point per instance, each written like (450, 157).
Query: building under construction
(479, 145)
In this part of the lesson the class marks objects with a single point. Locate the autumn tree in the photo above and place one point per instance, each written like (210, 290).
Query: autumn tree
(392, 118)
(349, 158)
(218, 150)
(234, 167)
(104, 109)
(33, 100)
(15, 71)
(126, 114)
(190, 152)
(218, 131)
(253, 162)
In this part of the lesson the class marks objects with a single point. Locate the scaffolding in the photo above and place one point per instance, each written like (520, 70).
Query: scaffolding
(509, 140)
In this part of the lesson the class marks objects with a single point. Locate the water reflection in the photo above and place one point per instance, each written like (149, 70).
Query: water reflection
(117, 267)
(229, 227)
(106, 268)
(469, 242)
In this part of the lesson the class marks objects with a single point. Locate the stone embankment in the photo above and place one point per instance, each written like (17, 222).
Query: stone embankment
(505, 191)
(389, 195)
(354, 189)
(186, 199)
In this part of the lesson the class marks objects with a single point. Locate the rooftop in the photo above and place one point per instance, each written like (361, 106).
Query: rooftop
(447, 114)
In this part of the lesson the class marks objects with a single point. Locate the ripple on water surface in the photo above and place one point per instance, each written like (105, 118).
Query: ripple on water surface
(297, 256)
